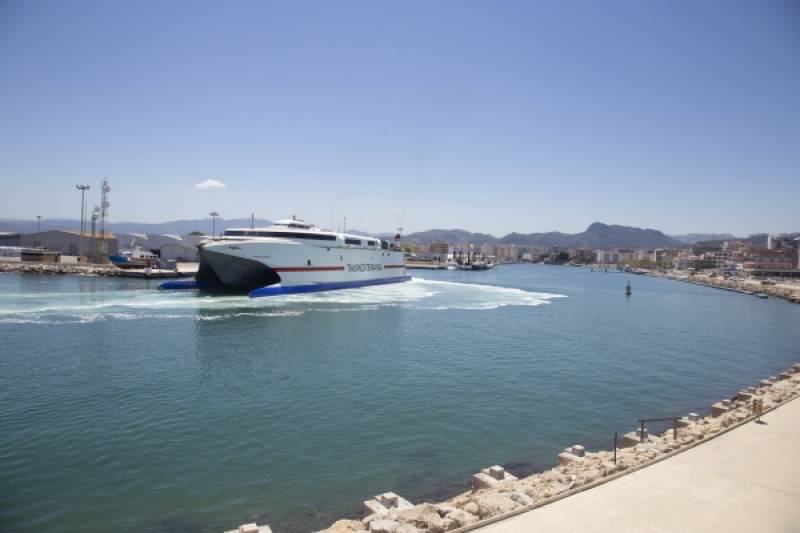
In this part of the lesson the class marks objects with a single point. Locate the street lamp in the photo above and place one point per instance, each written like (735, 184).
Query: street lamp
(39, 223)
(83, 189)
(213, 215)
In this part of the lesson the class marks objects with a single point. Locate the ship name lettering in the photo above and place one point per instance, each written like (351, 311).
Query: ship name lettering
(364, 267)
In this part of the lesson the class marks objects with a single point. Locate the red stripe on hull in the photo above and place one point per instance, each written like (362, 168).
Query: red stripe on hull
(308, 269)
(394, 266)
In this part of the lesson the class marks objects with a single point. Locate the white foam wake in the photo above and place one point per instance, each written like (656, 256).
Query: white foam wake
(418, 293)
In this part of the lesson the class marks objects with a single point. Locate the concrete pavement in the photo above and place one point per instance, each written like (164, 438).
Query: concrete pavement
(747, 480)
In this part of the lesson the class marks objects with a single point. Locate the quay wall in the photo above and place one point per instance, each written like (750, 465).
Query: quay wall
(576, 469)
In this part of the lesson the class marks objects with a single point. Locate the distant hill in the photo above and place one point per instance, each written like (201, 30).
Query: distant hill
(691, 238)
(597, 235)
(453, 236)
(179, 227)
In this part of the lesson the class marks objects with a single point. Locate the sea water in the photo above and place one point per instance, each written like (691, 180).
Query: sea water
(126, 408)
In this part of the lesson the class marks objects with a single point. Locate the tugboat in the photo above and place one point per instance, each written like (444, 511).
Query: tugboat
(628, 289)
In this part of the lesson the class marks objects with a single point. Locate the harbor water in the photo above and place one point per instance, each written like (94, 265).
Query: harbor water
(128, 409)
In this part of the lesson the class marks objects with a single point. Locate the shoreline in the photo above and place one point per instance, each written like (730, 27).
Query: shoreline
(497, 495)
(790, 293)
(58, 268)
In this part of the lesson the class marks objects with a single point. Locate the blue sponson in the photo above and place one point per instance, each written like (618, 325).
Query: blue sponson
(187, 284)
(277, 290)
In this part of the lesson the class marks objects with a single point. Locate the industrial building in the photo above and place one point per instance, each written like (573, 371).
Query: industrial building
(72, 243)
(180, 248)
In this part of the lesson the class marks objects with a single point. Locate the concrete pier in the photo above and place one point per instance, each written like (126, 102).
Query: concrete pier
(743, 481)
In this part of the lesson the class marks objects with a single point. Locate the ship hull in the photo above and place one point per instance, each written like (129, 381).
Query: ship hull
(287, 267)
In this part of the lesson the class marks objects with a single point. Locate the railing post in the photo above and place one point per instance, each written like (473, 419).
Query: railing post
(641, 433)
(615, 447)
(675, 429)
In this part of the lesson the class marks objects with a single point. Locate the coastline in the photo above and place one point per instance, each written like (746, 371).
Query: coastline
(789, 292)
(59, 268)
(496, 495)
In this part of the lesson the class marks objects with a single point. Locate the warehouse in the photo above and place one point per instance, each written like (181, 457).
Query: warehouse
(71, 243)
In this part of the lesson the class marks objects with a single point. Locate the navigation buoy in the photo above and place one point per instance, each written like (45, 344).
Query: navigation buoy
(628, 289)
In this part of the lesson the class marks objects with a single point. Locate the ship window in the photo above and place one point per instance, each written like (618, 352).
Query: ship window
(291, 235)
(235, 233)
(370, 243)
(357, 242)
(384, 245)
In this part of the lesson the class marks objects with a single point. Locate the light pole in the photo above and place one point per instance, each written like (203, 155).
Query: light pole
(213, 215)
(83, 189)
(39, 223)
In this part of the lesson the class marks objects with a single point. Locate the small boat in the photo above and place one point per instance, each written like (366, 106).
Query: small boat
(762, 295)
(136, 258)
(628, 289)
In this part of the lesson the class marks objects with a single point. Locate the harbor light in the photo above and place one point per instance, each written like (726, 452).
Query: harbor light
(83, 189)
(213, 215)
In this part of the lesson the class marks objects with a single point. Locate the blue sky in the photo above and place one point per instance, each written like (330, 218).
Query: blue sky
(489, 116)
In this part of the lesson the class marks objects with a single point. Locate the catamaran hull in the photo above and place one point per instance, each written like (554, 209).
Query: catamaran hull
(282, 266)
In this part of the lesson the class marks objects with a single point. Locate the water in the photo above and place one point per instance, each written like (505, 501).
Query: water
(127, 409)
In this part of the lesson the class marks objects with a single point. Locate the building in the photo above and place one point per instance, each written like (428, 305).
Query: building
(771, 260)
(70, 243)
(180, 248)
(40, 256)
(581, 255)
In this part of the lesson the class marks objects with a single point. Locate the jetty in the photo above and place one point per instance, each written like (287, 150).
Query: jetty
(733, 469)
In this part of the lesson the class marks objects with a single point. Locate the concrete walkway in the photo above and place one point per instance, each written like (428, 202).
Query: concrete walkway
(746, 480)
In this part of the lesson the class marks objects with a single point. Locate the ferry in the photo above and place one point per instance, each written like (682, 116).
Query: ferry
(293, 256)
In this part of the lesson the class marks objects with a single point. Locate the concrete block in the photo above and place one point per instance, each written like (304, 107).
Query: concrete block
(693, 417)
(251, 528)
(578, 450)
(683, 422)
(745, 395)
(633, 438)
(765, 383)
(497, 472)
(490, 477)
(567, 458)
(784, 376)
(718, 409)
(796, 368)
(382, 503)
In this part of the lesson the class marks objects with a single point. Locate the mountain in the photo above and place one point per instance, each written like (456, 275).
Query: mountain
(453, 236)
(691, 238)
(597, 235)
(175, 227)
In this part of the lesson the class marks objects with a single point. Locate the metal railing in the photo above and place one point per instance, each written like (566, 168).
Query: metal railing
(642, 422)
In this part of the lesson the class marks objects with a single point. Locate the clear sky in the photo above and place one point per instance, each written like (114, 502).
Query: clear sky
(492, 116)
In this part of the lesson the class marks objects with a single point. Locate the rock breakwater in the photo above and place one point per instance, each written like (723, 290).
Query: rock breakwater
(578, 469)
(59, 268)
